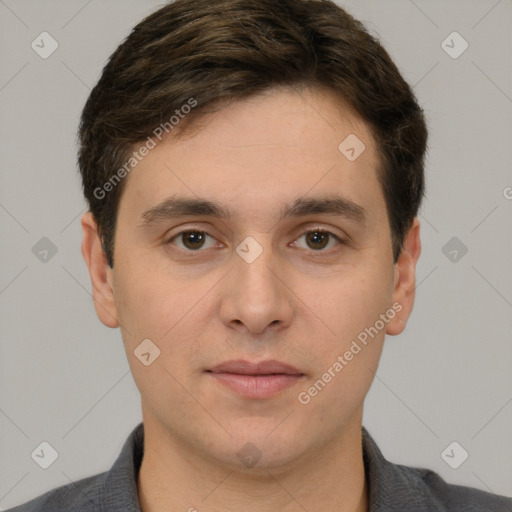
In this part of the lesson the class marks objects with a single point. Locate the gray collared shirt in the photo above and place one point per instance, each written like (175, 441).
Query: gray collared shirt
(392, 487)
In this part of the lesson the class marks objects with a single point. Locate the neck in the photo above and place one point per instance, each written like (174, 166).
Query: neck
(173, 476)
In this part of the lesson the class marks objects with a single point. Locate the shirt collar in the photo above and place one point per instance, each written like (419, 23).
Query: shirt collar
(392, 486)
(121, 494)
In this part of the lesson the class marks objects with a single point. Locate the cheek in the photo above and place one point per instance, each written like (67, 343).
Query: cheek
(147, 305)
(348, 313)
(349, 302)
(171, 312)
(159, 310)
(345, 363)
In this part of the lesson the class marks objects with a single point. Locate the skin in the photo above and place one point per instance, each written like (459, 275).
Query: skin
(298, 302)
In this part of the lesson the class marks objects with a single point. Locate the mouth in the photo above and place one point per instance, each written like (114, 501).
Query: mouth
(255, 380)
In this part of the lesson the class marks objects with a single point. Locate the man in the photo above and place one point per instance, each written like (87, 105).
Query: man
(254, 172)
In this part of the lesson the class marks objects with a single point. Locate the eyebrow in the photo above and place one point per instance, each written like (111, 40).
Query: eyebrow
(179, 206)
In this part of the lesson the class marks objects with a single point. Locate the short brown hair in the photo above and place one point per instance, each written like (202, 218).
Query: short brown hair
(223, 50)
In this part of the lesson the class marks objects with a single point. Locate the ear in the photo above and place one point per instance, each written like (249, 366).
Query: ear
(405, 279)
(99, 271)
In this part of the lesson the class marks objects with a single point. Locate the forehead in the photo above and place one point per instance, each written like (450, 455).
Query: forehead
(268, 149)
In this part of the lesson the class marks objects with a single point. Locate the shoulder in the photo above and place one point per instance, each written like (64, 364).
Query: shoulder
(112, 490)
(81, 496)
(450, 497)
(394, 487)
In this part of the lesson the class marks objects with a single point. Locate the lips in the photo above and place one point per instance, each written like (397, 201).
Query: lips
(255, 380)
(268, 367)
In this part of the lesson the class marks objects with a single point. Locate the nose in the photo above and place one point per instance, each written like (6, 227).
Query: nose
(256, 294)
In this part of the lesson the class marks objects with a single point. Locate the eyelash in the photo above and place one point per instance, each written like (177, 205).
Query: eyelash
(314, 230)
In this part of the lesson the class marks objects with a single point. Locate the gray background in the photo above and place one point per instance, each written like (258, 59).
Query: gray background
(64, 377)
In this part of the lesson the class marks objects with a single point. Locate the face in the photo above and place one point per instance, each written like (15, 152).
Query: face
(312, 286)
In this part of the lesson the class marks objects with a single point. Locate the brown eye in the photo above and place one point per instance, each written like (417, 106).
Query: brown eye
(318, 239)
(191, 240)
